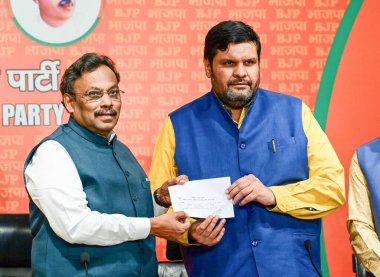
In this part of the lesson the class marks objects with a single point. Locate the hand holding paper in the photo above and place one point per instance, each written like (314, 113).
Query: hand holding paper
(201, 198)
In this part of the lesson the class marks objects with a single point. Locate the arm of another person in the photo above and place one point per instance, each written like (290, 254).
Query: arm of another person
(360, 224)
(54, 185)
(163, 168)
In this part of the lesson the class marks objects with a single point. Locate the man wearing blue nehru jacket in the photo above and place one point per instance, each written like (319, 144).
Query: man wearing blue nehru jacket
(363, 222)
(285, 173)
(90, 199)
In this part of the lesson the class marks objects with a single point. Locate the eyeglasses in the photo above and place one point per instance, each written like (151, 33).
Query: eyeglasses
(96, 95)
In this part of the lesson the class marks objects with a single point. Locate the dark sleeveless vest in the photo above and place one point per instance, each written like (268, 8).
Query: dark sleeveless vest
(369, 161)
(272, 145)
(114, 183)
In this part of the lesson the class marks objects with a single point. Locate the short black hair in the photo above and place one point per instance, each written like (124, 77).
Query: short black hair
(89, 62)
(226, 32)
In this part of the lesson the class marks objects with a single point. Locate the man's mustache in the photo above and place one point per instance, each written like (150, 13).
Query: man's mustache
(106, 112)
(240, 81)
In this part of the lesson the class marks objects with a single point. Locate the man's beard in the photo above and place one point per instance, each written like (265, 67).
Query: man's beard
(236, 100)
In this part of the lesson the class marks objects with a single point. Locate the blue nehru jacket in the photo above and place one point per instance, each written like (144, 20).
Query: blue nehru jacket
(114, 183)
(256, 242)
(369, 161)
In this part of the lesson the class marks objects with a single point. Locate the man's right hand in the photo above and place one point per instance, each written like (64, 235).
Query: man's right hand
(163, 191)
(204, 231)
(170, 226)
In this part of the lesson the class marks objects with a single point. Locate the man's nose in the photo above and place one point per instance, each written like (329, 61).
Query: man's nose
(240, 71)
(106, 100)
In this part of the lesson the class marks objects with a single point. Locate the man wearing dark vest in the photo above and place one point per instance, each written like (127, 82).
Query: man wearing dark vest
(363, 222)
(285, 173)
(91, 205)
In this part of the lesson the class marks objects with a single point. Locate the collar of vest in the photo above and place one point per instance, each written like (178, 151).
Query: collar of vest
(88, 135)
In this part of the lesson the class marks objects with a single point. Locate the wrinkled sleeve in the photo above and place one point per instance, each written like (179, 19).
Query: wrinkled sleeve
(324, 191)
(54, 185)
(360, 224)
(163, 165)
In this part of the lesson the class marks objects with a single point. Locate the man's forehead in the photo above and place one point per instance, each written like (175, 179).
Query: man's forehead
(101, 77)
(246, 48)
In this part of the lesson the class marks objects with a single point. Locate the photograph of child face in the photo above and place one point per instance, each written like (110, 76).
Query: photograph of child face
(56, 12)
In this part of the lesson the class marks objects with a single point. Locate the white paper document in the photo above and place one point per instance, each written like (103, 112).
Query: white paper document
(201, 198)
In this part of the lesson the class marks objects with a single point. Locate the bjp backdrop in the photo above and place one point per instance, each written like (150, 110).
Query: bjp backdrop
(325, 52)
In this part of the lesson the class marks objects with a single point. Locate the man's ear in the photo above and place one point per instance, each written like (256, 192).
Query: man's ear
(68, 102)
(207, 66)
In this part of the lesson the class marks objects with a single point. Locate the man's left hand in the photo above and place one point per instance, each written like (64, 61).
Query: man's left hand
(249, 188)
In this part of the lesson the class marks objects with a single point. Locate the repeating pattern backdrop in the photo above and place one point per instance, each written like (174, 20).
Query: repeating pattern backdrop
(158, 48)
